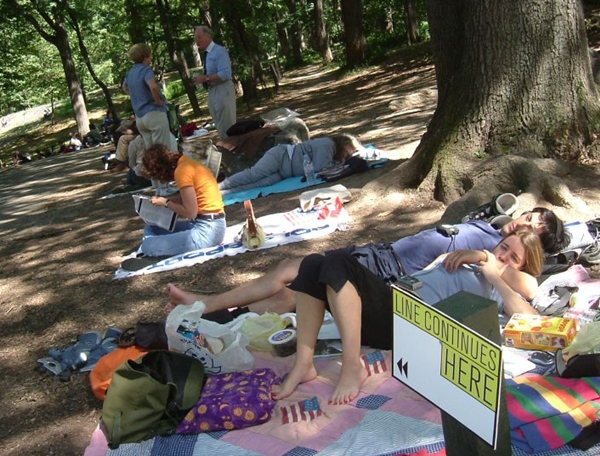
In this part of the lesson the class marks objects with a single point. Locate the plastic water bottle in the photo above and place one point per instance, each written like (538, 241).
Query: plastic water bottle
(309, 170)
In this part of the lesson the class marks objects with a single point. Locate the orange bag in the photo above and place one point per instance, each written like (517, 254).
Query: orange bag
(101, 374)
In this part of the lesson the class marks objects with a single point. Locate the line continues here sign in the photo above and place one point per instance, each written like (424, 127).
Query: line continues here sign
(448, 363)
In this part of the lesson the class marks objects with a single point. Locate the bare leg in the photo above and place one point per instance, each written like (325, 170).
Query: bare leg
(309, 316)
(346, 309)
(266, 292)
(283, 301)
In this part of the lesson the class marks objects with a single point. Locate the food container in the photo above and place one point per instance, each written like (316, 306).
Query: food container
(283, 342)
(539, 332)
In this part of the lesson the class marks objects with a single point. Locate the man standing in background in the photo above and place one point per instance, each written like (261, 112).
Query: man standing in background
(217, 78)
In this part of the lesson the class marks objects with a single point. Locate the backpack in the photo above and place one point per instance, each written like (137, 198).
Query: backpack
(583, 248)
(150, 396)
(353, 165)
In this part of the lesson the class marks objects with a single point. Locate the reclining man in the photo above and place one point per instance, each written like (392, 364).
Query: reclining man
(389, 261)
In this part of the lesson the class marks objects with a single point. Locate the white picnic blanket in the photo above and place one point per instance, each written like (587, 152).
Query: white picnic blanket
(280, 229)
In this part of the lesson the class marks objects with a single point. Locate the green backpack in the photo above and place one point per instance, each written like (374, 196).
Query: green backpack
(150, 396)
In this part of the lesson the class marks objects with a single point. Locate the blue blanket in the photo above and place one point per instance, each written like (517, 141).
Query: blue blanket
(287, 185)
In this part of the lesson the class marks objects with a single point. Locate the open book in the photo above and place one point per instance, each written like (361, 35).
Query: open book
(160, 216)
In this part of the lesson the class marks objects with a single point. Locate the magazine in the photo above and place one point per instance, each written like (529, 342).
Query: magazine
(160, 216)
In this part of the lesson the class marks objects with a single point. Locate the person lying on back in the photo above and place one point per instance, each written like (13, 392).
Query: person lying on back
(404, 256)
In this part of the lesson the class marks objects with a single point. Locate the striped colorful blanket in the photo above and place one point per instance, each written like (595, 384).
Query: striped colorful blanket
(548, 412)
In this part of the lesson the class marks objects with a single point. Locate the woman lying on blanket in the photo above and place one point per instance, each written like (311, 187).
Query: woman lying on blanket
(283, 161)
(414, 253)
(199, 201)
(361, 302)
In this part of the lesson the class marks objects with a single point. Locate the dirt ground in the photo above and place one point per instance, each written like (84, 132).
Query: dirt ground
(60, 244)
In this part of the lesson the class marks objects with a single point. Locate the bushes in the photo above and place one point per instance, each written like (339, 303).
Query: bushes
(174, 89)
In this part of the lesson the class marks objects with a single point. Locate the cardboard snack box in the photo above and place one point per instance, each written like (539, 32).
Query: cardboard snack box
(539, 332)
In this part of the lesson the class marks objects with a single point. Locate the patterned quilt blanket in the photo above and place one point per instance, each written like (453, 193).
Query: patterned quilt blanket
(387, 418)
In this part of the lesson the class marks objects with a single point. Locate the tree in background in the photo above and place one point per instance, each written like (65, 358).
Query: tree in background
(74, 22)
(411, 21)
(51, 16)
(353, 33)
(176, 55)
(321, 37)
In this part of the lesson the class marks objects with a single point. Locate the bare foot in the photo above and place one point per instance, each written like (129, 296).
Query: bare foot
(299, 374)
(178, 296)
(348, 385)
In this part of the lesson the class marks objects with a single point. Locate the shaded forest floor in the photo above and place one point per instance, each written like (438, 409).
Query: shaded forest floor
(60, 244)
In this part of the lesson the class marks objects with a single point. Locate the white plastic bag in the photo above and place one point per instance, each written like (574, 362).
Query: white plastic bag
(259, 328)
(220, 349)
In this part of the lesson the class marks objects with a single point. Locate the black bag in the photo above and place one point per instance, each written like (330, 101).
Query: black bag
(150, 396)
(244, 126)
(584, 365)
(149, 335)
(353, 165)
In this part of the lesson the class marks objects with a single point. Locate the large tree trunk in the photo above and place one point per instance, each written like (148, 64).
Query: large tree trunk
(178, 63)
(320, 35)
(353, 31)
(513, 77)
(75, 91)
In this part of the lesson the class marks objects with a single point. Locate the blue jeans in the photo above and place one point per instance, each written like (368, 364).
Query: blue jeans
(187, 236)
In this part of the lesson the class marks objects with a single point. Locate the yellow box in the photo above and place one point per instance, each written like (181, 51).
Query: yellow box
(539, 332)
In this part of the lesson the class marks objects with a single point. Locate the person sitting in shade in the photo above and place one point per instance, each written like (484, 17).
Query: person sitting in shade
(199, 202)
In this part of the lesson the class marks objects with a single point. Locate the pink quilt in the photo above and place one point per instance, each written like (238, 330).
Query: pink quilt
(386, 419)
(305, 424)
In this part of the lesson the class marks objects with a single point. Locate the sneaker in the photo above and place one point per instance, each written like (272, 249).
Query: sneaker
(502, 204)
(591, 254)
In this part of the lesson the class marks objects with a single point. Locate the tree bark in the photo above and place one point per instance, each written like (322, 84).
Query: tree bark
(411, 20)
(295, 33)
(353, 31)
(513, 78)
(320, 34)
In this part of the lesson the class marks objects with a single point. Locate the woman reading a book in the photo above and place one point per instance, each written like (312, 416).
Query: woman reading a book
(361, 302)
(199, 202)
